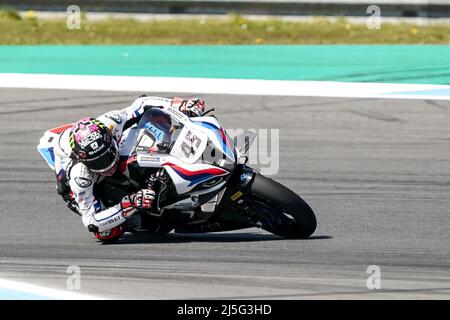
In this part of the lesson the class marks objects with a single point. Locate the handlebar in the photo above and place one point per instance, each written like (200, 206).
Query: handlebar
(208, 111)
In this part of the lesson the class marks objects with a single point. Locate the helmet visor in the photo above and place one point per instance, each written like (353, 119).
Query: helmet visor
(104, 161)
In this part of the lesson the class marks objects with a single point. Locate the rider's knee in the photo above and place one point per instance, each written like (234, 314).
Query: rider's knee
(111, 234)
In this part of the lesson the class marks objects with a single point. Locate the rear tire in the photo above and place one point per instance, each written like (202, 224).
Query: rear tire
(294, 217)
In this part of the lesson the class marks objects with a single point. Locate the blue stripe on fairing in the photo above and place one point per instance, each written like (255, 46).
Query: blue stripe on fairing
(200, 179)
(218, 134)
(48, 155)
(9, 294)
(434, 92)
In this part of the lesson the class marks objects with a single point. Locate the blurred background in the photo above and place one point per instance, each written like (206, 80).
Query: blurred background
(360, 93)
(226, 21)
(391, 8)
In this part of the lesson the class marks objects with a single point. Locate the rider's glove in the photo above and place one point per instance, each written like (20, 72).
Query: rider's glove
(143, 199)
(193, 107)
(127, 206)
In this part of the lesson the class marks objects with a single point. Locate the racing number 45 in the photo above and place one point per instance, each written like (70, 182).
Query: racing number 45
(190, 144)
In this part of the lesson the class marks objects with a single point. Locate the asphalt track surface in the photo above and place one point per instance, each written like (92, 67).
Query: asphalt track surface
(376, 172)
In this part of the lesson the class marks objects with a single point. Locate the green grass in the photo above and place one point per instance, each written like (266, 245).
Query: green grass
(15, 29)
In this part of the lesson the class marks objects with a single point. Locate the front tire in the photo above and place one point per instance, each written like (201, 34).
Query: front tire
(280, 210)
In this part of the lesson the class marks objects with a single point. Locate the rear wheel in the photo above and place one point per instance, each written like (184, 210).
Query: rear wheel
(280, 210)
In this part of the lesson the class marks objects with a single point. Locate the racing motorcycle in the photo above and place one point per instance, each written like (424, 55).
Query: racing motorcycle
(202, 180)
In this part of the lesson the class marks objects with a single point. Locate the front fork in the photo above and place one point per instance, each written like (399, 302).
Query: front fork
(236, 202)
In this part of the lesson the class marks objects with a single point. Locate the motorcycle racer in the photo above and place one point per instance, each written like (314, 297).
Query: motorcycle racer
(88, 151)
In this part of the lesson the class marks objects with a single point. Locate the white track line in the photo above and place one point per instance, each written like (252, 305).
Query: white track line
(226, 86)
(43, 292)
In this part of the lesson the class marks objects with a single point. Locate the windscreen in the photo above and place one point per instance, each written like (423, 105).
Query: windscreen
(162, 127)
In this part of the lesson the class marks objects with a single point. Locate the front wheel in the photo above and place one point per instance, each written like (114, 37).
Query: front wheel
(280, 210)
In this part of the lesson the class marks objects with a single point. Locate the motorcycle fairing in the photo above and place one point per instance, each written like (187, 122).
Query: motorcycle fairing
(217, 135)
(190, 145)
(196, 199)
(187, 176)
(47, 143)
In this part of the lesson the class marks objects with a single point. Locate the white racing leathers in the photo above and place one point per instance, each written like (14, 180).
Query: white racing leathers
(82, 180)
